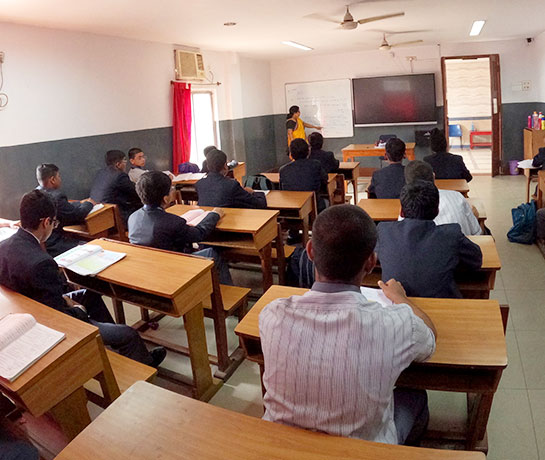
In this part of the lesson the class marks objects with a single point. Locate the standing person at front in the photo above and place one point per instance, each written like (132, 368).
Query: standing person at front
(112, 185)
(445, 165)
(295, 127)
(332, 357)
(388, 182)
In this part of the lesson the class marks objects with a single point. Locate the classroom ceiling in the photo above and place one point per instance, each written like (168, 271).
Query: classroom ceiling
(263, 24)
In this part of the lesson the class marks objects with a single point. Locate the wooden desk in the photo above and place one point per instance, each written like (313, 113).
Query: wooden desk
(470, 354)
(245, 229)
(458, 185)
(98, 224)
(165, 282)
(351, 171)
(238, 172)
(180, 183)
(531, 175)
(331, 184)
(55, 382)
(295, 206)
(147, 422)
(352, 151)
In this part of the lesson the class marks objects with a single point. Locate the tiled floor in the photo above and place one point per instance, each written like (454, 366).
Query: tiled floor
(516, 428)
(478, 160)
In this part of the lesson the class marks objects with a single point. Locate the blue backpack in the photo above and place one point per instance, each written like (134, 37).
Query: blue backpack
(524, 224)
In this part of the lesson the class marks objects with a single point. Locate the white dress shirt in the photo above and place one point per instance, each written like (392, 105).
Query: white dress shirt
(332, 359)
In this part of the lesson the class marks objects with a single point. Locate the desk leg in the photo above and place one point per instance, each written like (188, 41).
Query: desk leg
(266, 266)
(528, 175)
(198, 352)
(71, 413)
(478, 418)
(355, 185)
(119, 313)
(219, 326)
(108, 383)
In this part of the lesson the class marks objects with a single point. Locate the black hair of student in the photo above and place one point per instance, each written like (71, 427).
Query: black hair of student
(46, 171)
(152, 187)
(420, 200)
(343, 238)
(114, 156)
(216, 161)
(293, 109)
(418, 170)
(133, 152)
(438, 141)
(395, 149)
(34, 207)
(299, 149)
(209, 149)
(316, 140)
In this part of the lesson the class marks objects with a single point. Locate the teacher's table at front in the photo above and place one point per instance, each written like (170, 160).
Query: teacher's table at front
(245, 229)
(148, 422)
(168, 283)
(470, 354)
(352, 151)
(293, 206)
(55, 382)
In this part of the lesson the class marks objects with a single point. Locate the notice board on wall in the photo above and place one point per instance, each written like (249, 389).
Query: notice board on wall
(324, 103)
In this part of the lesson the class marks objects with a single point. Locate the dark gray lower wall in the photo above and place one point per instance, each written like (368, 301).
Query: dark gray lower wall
(515, 119)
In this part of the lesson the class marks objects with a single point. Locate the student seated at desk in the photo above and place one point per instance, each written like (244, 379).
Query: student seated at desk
(153, 226)
(206, 151)
(217, 190)
(445, 165)
(332, 357)
(112, 185)
(28, 270)
(326, 159)
(421, 255)
(388, 182)
(137, 159)
(68, 213)
(453, 207)
(303, 174)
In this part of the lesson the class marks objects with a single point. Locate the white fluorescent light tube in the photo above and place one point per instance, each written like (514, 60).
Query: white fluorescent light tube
(298, 45)
(476, 28)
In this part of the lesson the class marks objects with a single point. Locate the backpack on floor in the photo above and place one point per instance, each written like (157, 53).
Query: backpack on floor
(524, 224)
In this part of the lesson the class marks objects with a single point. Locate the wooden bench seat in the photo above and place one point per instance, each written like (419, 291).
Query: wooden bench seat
(249, 255)
(232, 297)
(126, 372)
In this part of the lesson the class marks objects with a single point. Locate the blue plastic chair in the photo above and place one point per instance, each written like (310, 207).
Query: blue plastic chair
(455, 131)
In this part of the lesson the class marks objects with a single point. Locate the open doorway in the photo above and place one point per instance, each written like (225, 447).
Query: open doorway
(472, 105)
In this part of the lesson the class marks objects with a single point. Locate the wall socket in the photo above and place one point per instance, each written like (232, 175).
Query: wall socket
(2, 55)
(526, 85)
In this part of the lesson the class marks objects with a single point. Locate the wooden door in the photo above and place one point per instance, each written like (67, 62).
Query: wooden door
(495, 90)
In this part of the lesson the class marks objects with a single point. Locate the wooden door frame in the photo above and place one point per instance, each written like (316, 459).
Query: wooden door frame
(495, 103)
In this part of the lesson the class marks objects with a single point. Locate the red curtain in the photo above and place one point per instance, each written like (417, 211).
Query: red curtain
(181, 124)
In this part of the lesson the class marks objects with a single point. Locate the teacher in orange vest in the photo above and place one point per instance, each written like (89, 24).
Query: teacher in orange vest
(295, 127)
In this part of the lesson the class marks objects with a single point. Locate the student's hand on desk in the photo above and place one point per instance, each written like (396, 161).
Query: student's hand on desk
(219, 211)
(394, 291)
(90, 200)
(249, 189)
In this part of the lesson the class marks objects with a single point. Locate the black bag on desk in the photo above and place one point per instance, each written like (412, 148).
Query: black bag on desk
(524, 224)
(258, 182)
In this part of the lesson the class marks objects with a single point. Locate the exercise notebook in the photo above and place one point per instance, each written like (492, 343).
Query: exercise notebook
(22, 342)
(376, 295)
(188, 176)
(88, 259)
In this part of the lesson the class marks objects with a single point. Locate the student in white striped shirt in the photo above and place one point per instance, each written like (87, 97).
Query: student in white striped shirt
(332, 357)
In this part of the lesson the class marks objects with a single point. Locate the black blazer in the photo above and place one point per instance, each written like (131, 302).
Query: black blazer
(115, 187)
(217, 190)
(448, 166)
(304, 175)
(27, 269)
(326, 159)
(68, 214)
(387, 182)
(423, 256)
(153, 226)
(539, 159)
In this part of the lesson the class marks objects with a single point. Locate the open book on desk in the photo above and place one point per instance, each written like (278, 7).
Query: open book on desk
(7, 232)
(96, 208)
(188, 176)
(22, 342)
(195, 216)
(88, 259)
(376, 295)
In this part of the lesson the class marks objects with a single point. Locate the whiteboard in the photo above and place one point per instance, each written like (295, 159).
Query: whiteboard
(324, 103)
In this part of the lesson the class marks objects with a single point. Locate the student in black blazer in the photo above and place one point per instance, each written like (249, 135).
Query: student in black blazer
(388, 182)
(327, 159)
(68, 213)
(217, 190)
(303, 174)
(112, 185)
(420, 255)
(445, 165)
(206, 151)
(27, 269)
(153, 226)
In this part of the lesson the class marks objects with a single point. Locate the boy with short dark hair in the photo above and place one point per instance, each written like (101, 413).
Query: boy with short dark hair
(137, 159)
(218, 190)
(445, 165)
(68, 213)
(332, 357)
(28, 270)
(152, 226)
(421, 255)
(326, 159)
(206, 151)
(388, 182)
(112, 185)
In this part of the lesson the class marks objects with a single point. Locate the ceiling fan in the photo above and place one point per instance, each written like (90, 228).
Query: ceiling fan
(349, 23)
(385, 46)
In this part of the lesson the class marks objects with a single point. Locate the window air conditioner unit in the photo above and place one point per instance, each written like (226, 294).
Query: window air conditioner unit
(189, 65)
